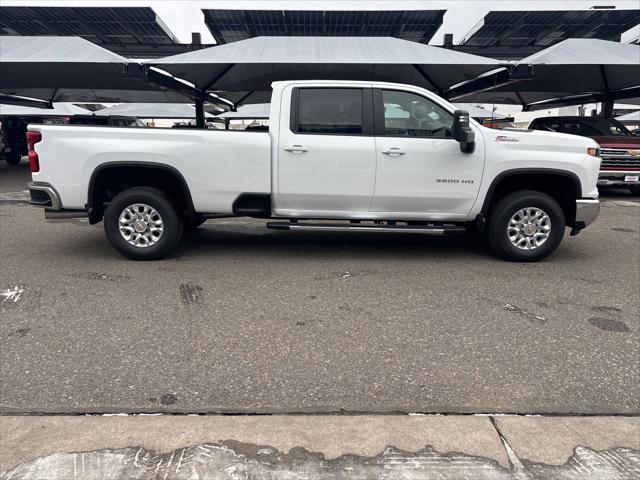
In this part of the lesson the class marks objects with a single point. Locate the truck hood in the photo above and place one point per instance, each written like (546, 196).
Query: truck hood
(539, 137)
(618, 142)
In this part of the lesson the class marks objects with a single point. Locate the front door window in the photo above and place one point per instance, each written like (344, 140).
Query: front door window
(409, 115)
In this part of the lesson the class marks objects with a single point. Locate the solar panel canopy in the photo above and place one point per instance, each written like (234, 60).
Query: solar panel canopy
(545, 28)
(106, 26)
(252, 65)
(576, 69)
(72, 69)
(228, 26)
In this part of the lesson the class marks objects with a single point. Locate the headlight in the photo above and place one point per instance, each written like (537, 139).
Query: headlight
(594, 152)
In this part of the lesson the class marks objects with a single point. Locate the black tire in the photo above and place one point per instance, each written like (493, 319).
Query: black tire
(191, 223)
(508, 206)
(13, 157)
(635, 190)
(157, 199)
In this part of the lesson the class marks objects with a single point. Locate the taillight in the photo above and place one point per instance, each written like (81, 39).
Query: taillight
(34, 161)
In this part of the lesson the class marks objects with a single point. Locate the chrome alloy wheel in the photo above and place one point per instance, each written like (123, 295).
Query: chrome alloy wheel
(529, 228)
(141, 225)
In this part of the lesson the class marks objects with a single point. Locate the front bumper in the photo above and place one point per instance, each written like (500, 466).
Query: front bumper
(613, 178)
(587, 210)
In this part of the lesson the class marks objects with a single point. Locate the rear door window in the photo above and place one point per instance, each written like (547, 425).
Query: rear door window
(336, 111)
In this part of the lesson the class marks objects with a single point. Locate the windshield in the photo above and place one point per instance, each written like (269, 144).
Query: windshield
(594, 127)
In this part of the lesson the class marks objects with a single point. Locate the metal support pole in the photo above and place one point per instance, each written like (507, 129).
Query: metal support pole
(199, 111)
(607, 108)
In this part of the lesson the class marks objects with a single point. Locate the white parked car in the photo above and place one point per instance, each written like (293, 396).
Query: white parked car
(338, 156)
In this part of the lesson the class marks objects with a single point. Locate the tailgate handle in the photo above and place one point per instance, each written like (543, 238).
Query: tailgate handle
(296, 149)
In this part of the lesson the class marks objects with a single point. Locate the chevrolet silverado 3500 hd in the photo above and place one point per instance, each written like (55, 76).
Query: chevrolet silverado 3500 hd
(338, 156)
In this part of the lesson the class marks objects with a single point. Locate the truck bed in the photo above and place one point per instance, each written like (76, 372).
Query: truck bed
(217, 165)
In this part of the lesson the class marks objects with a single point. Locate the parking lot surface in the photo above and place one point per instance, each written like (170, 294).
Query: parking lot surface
(244, 319)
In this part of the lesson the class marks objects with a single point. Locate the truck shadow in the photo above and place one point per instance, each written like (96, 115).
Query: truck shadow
(259, 241)
(616, 193)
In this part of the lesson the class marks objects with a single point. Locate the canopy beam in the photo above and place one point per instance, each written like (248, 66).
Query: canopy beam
(199, 96)
(430, 80)
(484, 83)
(24, 101)
(169, 83)
(243, 98)
(612, 96)
(219, 76)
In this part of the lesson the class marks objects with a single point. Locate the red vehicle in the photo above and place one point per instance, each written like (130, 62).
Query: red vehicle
(619, 148)
(13, 140)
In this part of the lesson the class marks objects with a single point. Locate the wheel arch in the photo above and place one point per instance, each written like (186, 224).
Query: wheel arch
(564, 186)
(95, 205)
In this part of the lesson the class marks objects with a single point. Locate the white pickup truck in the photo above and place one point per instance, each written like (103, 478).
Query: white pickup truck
(337, 156)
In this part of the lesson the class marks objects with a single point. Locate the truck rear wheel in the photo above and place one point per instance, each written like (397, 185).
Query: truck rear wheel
(142, 224)
(635, 190)
(525, 226)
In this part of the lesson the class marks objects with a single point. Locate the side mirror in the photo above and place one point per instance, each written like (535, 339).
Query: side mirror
(462, 131)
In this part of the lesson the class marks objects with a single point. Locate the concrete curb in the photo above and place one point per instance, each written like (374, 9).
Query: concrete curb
(552, 440)
(29, 437)
(321, 446)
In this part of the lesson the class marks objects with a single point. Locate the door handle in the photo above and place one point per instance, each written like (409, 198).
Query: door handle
(393, 151)
(295, 149)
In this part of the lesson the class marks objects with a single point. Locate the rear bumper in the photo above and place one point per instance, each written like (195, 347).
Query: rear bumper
(587, 210)
(44, 195)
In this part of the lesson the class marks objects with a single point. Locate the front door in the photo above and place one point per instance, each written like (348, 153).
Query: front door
(420, 168)
(326, 153)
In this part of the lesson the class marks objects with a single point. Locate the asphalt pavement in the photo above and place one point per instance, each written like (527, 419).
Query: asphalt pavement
(245, 319)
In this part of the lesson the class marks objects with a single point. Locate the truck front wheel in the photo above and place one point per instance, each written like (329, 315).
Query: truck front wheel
(525, 226)
(142, 224)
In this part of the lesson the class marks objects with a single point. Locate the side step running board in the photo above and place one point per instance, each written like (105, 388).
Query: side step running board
(339, 227)
(64, 214)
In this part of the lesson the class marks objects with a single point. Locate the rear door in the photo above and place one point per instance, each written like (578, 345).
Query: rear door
(420, 168)
(326, 151)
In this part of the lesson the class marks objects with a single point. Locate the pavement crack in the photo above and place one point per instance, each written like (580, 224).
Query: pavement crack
(532, 317)
(509, 307)
(514, 461)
